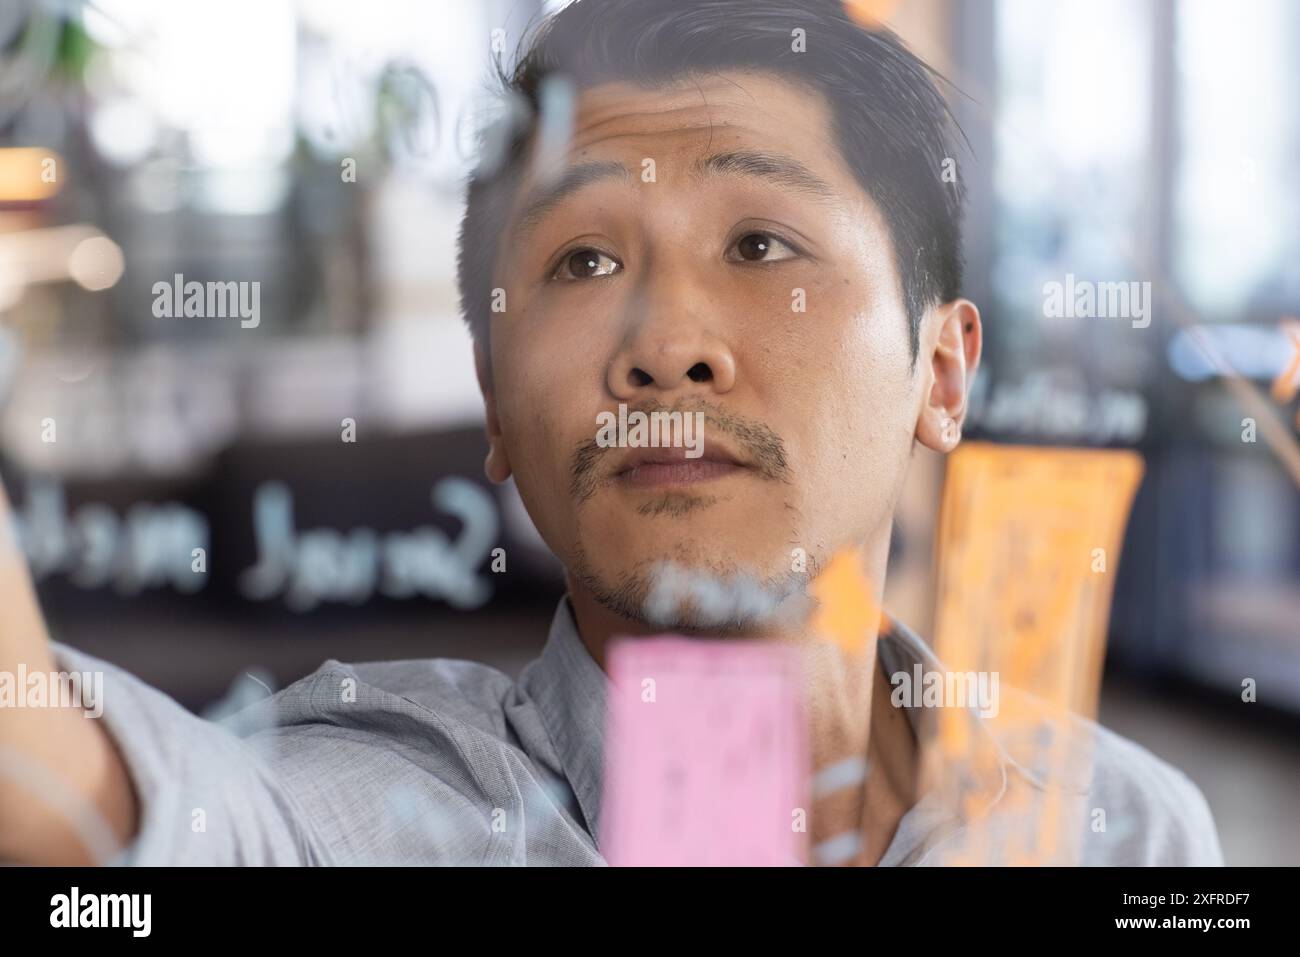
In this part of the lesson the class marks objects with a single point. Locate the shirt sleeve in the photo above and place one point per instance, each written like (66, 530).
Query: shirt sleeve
(1190, 837)
(1156, 815)
(205, 795)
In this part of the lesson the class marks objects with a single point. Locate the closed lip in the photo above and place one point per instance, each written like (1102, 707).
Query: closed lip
(713, 454)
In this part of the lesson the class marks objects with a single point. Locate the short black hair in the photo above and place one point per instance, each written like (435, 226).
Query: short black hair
(892, 124)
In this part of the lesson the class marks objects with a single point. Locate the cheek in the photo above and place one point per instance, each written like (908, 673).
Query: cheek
(853, 404)
(544, 415)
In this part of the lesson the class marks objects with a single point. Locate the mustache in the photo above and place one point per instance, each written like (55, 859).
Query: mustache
(755, 442)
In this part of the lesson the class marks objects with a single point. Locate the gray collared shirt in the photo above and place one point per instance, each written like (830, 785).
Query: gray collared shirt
(449, 762)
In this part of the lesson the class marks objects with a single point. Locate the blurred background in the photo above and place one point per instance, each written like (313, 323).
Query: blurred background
(201, 499)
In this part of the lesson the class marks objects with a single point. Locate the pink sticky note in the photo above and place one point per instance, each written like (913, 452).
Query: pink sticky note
(706, 754)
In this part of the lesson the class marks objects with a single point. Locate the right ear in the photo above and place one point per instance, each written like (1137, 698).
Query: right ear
(497, 465)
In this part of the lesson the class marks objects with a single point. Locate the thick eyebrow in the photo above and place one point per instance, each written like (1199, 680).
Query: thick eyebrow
(545, 198)
(782, 170)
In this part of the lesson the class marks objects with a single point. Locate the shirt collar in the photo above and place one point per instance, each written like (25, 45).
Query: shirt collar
(953, 791)
(570, 691)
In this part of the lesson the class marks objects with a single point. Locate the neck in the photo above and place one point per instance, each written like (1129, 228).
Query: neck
(597, 625)
(849, 712)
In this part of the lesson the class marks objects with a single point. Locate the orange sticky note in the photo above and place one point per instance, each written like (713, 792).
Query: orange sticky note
(847, 612)
(1029, 541)
(870, 14)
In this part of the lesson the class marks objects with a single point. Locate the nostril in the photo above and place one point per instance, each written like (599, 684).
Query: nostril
(700, 372)
(638, 378)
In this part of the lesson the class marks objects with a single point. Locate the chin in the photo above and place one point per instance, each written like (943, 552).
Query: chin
(695, 586)
(705, 597)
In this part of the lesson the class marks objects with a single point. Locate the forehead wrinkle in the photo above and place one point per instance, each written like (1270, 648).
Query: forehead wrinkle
(543, 199)
(683, 120)
(591, 131)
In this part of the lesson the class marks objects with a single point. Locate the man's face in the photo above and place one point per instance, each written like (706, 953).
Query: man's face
(761, 292)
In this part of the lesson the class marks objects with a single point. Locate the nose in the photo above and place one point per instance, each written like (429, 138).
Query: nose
(672, 346)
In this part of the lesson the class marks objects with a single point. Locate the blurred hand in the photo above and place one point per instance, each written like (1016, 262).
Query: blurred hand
(45, 748)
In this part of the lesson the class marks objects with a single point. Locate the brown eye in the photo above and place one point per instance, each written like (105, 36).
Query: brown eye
(762, 247)
(585, 264)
